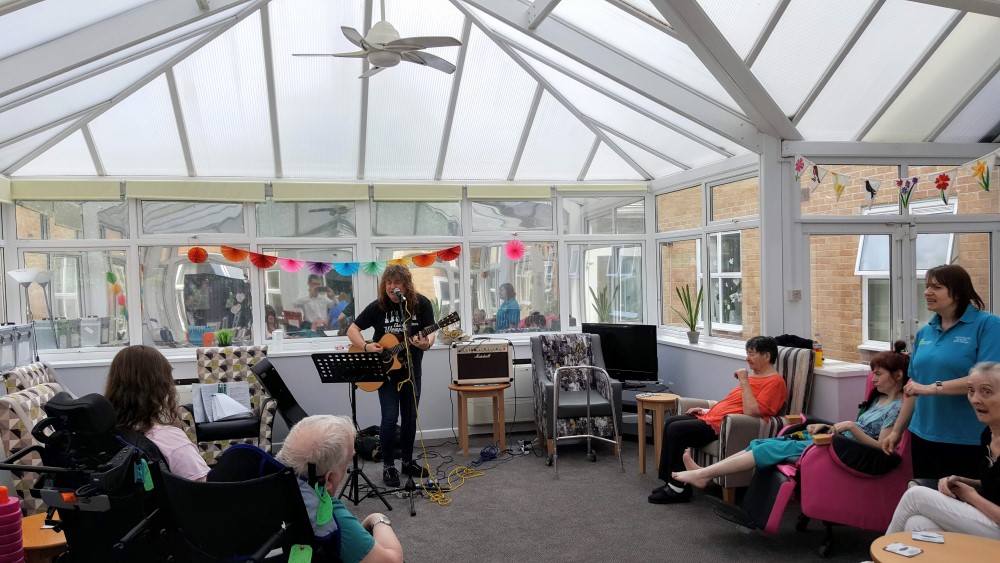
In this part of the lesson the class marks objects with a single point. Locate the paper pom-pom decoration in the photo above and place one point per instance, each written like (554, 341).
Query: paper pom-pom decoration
(111, 277)
(319, 268)
(290, 265)
(424, 260)
(196, 255)
(121, 299)
(116, 288)
(449, 254)
(399, 262)
(346, 268)
(262, 260)
(514, 250)
(233, 254)
(373, 268)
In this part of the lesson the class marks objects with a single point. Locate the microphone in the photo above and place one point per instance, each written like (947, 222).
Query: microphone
(399, 294)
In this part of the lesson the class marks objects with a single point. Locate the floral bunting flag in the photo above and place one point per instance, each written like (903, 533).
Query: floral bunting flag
(944, 182)
(981, 169)
(449, 254)
(233, 254)
(424, 260)
(800, 166)
(319, 268)
(262, 260)
(373, 268)
(399, 262)
(290, 265)
(906, 187)
(871, 186)
(839, 181)
(346, 268)
(816, 178)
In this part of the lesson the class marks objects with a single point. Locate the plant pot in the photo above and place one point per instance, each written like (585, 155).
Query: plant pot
(693, 336)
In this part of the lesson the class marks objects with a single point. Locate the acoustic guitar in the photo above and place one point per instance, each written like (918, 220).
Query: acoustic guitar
(392, 347)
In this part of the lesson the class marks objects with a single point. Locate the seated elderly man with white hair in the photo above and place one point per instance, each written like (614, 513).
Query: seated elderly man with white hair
(326, 443)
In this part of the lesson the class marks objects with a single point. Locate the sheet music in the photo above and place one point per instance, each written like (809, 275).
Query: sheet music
(202, 394)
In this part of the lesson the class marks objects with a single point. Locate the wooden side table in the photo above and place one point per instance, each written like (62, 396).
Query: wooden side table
(466, 392)
(40, 544)
(658, 403)
(956, 547)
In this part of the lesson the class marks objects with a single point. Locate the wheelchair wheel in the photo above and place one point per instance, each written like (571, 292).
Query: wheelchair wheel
(592, 456)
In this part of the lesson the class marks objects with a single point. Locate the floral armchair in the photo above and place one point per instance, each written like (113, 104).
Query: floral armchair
(19, 412)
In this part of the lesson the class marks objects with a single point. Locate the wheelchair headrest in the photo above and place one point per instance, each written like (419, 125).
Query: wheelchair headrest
(84, 426)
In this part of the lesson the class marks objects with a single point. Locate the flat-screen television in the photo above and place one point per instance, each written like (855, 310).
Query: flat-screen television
(629, 350)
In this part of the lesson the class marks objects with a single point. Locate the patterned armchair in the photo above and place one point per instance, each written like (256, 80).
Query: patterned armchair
(233, 363)
(19, 412)
(552, 353)
(27, 376)
(796, 366)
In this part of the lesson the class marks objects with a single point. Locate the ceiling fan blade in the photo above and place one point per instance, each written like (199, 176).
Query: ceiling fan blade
(372, 72)
(401, 47)
(430, 60)
(356, 54)
(426, 42)
(353, 36)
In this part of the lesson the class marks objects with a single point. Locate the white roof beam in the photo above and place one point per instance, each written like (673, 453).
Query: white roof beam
(913, 70)
(77, 116)
(966, 100)
(175, 103)
(640, 144)
(644, 17)
(765, 33)
(987, 7)
(539, 10)
(529, 120)
(100, 40)
(590, 160)
(715, 52)
(94, 154)
(272, 104)
(363, 122)
(15, 5)
(837, 151)
(859, 30)
(456, 83)
(517, 58)
(626, 71)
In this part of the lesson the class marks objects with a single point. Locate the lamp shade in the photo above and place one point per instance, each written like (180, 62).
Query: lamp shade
(43, 277)
(25, 276)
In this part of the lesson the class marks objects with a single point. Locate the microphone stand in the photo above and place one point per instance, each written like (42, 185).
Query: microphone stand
(410, 487)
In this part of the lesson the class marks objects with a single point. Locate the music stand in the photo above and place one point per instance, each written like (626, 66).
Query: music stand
(364, 367)
(288, 407)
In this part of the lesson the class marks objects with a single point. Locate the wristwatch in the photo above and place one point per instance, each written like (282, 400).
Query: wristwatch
(382, 520)
(940, 386)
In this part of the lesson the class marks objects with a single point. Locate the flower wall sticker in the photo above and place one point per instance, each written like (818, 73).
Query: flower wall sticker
(906, 187)
(943, 182)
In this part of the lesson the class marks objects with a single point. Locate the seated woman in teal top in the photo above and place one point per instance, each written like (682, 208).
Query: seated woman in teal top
(509, 314)
(876, 420)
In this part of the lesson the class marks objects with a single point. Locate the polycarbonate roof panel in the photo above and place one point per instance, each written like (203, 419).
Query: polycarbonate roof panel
(69, 157)
(14, 152)
(557, 146)
(956, 67)
(84, 94)
(978, 120)
(646, 7)
(649, 162)
(318, 99)
(897, 36)
(42, 22)
(139, 135)
(643, 43)
(607, 165)
(494, 97)
(223, 98)
(740, 22)
(794, 59)
(407, 104)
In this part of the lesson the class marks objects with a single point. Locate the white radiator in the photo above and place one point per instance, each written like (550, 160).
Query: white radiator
(481, 409)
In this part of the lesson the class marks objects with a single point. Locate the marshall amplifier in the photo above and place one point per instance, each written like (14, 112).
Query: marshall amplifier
(481, 361)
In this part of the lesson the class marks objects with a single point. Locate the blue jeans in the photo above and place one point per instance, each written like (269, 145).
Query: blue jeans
(393, 404)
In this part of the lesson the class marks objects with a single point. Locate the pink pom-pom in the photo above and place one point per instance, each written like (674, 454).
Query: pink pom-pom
(514, 250)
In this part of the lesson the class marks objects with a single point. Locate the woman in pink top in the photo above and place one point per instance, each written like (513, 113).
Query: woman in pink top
(142, 390)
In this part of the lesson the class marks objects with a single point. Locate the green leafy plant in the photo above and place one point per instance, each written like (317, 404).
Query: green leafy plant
(602, 303)
(224, 336)
(691, 308)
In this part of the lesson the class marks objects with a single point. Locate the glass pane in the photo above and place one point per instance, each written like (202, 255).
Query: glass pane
(874, 257)
(182, 301)
(68, 220)
(607, 165)
(511, 216)
(397, 218)
(878, 310)
(308, 305)
(724, 253)
(735, 297)
(33, 23)
(972, 252)
(654, 166)
(679, 261)
(630, 219)
(557, 146)
(679, 210)
(85, 292)
(319, 219)
(600, 224)
(506, 294)
(977, 120)
(727, 302)
(854, 199)
(166, 217)
(964, 192)
(606, 286)
(69, 157)
(739, 22)
(735, 199)
(438, 282)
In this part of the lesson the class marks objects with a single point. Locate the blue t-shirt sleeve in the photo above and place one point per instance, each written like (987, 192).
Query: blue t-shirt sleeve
(355, 541)
(989, 340)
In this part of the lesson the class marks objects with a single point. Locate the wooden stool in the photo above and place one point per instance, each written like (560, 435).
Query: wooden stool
(465, 392)
(40, 544)
(956, 547)
(659, 403)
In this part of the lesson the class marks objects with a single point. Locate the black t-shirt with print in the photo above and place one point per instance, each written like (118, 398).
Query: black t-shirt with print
(391, 322)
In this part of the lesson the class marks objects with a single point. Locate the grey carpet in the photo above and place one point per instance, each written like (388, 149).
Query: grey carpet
(593, 512)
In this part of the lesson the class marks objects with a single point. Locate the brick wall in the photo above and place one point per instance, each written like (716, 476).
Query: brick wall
(678, 210)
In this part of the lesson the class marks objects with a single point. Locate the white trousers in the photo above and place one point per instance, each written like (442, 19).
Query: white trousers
(924, 509)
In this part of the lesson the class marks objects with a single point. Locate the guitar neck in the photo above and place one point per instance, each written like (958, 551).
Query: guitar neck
(423, 332)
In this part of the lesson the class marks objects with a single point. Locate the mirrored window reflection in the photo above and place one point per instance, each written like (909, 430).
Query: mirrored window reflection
(603, 216)
(78, 299)
(437, 282)
(511, 215)
(307, 305)
(184, 217)
(313, 219)
(183, 301)
(515, 296)
(71, 220)
(606, 283)
(425, 218)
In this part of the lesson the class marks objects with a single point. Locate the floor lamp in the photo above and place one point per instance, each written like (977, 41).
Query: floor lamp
(43, 278)
(25, 277)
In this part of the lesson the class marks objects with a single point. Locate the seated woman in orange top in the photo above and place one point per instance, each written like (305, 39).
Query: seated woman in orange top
(761, 393)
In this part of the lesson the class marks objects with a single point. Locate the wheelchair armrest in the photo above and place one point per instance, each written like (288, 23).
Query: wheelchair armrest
(860, 459)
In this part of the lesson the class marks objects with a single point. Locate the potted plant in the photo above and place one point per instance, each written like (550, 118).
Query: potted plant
(224, 336)
(691, 310)
(602, 303)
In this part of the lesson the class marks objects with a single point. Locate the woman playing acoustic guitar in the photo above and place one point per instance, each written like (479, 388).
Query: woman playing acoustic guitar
(386, 314)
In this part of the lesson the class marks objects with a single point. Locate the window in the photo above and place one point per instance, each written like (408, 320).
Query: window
(309, 305)
(732, 200)
(422, 218)
(604, 215)
(679, 210)
(184, 217)
(319, 219)
(437, 282)
(515, 296)
(679, 267)
(511, 215)
(606, 284)
(725, 259)
(70, 220)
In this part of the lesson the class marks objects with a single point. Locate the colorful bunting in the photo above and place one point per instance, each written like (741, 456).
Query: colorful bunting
(980, 169)
(400, 262)
(346, 268)
(290, 265)
(111, 277)
(816, 178)
(196, 255)
(373, 268)
(449, 254)
(424, 260)
(800, 165)
(514, 250)
(233, 254)
(839, 181)
(906, 187)
(262, 260)
(871, 186)
(319, 268)
(944, 182)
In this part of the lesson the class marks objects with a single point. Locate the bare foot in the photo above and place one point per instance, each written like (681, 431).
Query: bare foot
(691, 478)
(689, 462)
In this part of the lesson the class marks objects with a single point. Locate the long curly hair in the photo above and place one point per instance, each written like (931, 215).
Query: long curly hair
(401, 275)
(141, 388)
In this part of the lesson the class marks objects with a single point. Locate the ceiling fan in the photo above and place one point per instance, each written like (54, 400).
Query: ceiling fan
(383, 48)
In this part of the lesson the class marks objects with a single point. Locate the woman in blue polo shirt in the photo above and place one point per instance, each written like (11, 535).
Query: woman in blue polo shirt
(945, 430)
